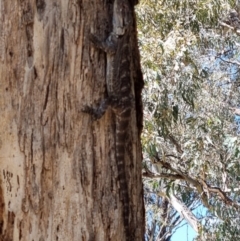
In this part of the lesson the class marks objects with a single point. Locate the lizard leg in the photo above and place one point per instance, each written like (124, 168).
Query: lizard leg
(107, 46)
(97, 112)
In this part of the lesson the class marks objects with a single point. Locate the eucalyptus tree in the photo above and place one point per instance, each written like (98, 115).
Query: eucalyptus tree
(58, 171)
(190, 55)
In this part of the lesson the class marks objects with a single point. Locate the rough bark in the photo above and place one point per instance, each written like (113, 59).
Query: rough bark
(58, 174)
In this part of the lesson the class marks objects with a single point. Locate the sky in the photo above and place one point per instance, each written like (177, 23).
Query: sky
(186, 232)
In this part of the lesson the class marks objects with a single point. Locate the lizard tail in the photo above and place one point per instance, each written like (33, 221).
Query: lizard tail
(122, 122)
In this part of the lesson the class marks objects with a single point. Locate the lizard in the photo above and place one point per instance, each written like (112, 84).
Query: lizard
(119, 97)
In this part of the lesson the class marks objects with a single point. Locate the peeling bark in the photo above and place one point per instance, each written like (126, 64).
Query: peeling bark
(58, 175)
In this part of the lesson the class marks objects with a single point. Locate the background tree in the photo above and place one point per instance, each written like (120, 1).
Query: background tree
(190, 55)
(58, 175)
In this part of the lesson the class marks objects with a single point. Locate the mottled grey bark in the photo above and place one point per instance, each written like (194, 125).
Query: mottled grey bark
(58, 175)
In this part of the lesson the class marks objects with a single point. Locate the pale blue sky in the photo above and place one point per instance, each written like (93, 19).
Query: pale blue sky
(186, 232)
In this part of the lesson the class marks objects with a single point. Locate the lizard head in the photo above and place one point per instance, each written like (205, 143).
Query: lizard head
(122, 16)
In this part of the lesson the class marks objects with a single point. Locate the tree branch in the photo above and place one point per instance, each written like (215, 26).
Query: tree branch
(236, 30)
(202, 187)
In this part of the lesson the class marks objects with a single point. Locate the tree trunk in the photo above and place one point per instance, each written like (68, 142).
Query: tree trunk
(58, 173)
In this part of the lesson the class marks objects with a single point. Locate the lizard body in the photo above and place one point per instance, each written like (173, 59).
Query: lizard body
(118, 82)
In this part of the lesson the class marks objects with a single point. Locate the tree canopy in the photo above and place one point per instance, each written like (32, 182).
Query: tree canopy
(190, 57)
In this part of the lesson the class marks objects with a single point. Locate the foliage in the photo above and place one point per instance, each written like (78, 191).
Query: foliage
(190, 139)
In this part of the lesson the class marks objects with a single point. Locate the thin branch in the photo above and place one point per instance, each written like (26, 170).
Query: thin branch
(174, 141)
(228, 61)
(220, 193)
(237, 31)
(202, 187)
(152, 175)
